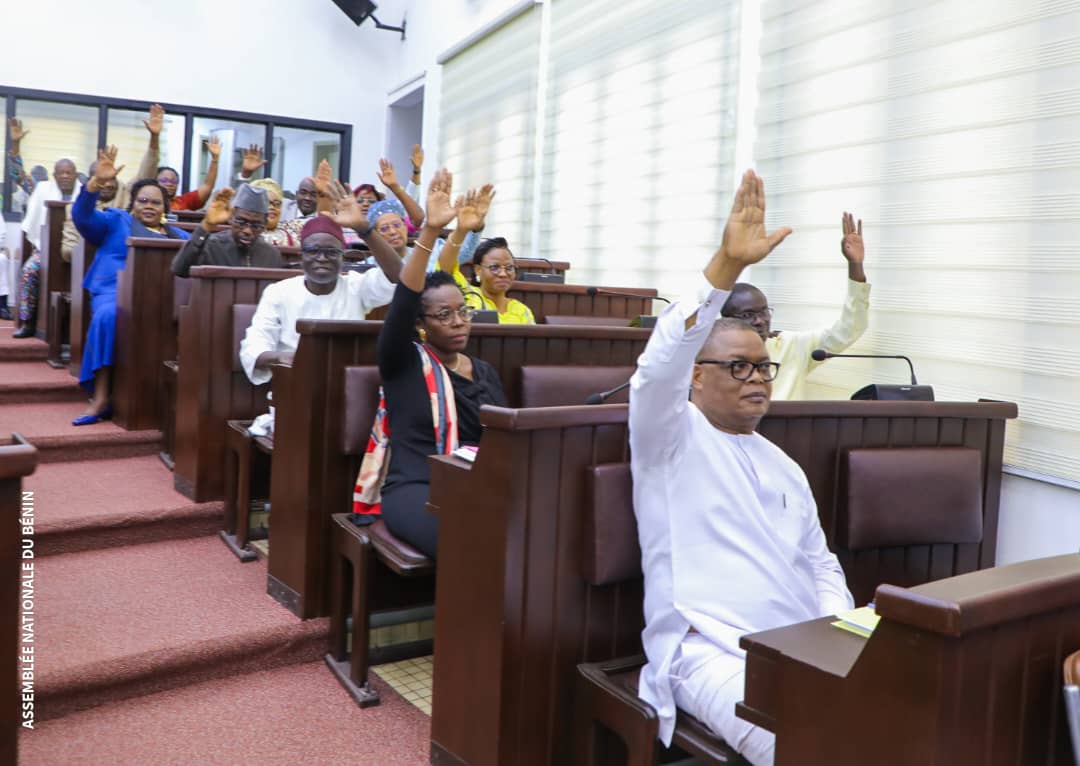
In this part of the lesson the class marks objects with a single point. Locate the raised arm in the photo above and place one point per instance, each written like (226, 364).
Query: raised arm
(219, 212)
(252, 163)
(207, 188)
(90, 223)
(855, 314)
(155, 123)
(472, 208)
(348, 215)
(659, 387)
(388, 176)
(15, 163)
(324, 181)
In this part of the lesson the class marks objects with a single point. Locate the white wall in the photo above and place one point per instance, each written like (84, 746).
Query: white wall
(1037, 519)
(301, 59)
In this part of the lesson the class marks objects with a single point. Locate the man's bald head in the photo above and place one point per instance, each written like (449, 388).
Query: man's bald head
(65, 175)
(749, 304)
(307, 196)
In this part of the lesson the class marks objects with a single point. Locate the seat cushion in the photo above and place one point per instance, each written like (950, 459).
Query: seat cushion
(911, 496)
(563, 385)
(396, 553)
(610, 549)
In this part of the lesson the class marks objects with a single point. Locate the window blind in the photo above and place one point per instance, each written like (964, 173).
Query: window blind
(487, 123)
(950, 128)
(639, 139)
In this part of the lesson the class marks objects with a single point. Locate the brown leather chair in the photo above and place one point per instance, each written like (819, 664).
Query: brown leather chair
(610, 718)
(370, 567)
(1072, 699)
(556, 385)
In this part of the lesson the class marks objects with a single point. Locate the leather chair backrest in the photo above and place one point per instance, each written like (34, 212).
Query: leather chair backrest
(610, 550)
(361, 401)
(910, 496)
(241, 320)
(563, 385)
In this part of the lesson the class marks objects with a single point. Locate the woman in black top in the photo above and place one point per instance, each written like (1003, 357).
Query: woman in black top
(432, 307)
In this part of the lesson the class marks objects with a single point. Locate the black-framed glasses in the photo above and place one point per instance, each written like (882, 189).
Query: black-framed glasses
(329, 253)
(465, 313)
(255, 226)
(742, 370)
(497, 268)
(148, 202)
(750, 316)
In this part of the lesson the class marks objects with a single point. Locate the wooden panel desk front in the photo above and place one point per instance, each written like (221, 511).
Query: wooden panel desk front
(55, 274)
(575, 300)
(17, 459)
(965, 670)
(82, 258)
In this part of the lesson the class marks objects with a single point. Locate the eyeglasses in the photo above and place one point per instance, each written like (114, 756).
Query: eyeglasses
(368, 200)
(386, 228)
(497, 268)
(167, 180)
(465, 313)
(742, 370)
(255, 226)
(750, 316)
(329, 253)
(147, 202)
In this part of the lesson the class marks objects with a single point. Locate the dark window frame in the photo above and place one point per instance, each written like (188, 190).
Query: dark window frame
(10, 95)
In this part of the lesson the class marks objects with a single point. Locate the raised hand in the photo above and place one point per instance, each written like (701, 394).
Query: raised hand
(745, 240)
(16, 131)
(323, 178)
(439, 210)
(253, 161)
(387, 174)
(106, 169)
(219, 211)
(473, 207)
(156, 120)
(214, 147)
(417, 158)
(852, 243)
(347, 212)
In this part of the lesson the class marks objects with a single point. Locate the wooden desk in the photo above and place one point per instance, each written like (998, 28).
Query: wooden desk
(145, 331)
(575, 300)
(17, 459)
(965, 670)
(515, 612)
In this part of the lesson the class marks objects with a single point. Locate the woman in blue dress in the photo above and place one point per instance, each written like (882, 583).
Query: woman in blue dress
(109, 230)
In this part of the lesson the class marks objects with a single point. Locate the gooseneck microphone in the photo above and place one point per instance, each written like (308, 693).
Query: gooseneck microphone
(545, 260)
(820, 355)
(603, 396)
(592, 291)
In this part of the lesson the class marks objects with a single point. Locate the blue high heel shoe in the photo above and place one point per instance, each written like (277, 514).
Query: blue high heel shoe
(89, 420)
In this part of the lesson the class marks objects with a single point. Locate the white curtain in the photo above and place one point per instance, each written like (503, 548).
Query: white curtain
(951, 129)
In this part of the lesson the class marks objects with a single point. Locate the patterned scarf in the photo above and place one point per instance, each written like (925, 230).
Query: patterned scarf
(367, 494)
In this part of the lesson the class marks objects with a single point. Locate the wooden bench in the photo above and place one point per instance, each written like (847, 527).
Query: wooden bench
(54, 299)
(516, 608)
(17, 460)
(82, 258)
(579, 300)
(308, 399)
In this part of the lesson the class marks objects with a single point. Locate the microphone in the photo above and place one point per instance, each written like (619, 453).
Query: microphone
(593, 291)
(914, 392)
(603, 396)
(482, 315)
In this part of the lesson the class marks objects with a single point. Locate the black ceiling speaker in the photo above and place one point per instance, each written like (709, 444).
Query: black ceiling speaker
(360, 10)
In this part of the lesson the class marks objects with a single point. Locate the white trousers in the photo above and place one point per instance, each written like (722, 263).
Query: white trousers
(707, 682)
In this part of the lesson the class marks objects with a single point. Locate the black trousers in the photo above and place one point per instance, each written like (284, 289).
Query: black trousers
(404, 511)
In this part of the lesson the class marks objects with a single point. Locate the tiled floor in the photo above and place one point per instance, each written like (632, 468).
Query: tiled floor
(411, 679)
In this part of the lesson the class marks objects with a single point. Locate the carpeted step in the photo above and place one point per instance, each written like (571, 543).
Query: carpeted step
(47, 425)
(88, 504)
(22, 349)
(291, 716)
(34, 382)
(124, 622)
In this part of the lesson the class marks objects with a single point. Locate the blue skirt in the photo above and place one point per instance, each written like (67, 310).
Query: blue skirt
(100, 337)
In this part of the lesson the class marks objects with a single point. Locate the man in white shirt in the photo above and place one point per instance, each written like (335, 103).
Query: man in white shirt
(792, 348)
(322, 292)
(730, 538)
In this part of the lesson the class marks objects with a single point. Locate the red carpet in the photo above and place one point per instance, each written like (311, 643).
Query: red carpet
(83, 506)
(153, 644)
(294, 716)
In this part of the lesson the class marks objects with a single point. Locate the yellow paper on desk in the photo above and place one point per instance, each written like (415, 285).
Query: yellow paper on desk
(861, 621)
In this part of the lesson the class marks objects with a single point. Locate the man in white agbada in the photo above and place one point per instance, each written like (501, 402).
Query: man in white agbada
(730, 538)
(322, 292)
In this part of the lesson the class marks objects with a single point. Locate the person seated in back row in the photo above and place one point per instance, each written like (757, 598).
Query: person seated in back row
(792, 349)
(241, 245)
(730, 538)
(493, 263)
(322, 291)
